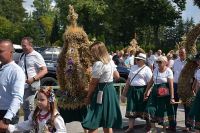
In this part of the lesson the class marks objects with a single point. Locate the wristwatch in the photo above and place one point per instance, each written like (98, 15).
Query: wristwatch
(6, 121)
(34, 79)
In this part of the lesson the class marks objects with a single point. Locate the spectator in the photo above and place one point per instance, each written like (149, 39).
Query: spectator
(130, 59)
(11, 86)
(170, 60)
(34, 68)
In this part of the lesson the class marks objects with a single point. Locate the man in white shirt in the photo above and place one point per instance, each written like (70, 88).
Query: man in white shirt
(34, 68)
(179, 64)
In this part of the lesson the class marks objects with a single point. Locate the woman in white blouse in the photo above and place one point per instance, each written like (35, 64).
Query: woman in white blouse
(104, 110)
(137, 81)
(160, 102)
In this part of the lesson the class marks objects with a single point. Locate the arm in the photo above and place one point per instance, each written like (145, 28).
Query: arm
(17, 92)
(195, 86)
(43, 71)
(20, 127)
(149, 84)
(40, 74)
(42, 67)
(116, 75)
(171, 87)
(92, 85)
(60, 125)
(148, 89)
(126, 87)
(125, 90)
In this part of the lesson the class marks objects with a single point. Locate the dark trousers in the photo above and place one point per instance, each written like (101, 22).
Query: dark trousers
(14, 119)
(186, 108)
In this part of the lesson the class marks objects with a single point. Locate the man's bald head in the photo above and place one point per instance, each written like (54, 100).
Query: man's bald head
(7, 44)
(6, 51)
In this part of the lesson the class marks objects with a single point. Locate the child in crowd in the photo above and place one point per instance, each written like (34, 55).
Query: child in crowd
(45, 117)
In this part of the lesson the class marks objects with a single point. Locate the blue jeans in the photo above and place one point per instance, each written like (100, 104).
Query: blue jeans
(28, 104)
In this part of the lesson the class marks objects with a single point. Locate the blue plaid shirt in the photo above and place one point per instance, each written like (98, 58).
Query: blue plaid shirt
(12, 79)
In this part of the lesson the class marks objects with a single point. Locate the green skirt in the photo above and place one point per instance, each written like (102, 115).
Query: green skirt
(135, 102)
(195, 111)
(107, 114)
(159, 109)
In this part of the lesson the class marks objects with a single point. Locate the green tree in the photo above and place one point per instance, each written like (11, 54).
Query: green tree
(55, 31)
(12, 10)
(44, 15)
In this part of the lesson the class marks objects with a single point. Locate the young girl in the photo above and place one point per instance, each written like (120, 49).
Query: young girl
(45, 117)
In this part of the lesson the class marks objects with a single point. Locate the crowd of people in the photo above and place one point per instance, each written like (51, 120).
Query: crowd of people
(150, 91)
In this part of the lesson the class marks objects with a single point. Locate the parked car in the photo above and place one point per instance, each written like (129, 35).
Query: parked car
(50, 56)
(17, 52)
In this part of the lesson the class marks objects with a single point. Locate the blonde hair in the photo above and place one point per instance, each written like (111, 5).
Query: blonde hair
(100, 52)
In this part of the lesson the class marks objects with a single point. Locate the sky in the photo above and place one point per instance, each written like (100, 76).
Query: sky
(191, 10)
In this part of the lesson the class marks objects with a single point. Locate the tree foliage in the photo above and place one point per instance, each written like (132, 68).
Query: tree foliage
(12, 10)
(155, 23)
(197, 2)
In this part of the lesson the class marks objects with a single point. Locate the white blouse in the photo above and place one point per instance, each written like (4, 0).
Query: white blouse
(142, 78)
(103, 72)
(160, 78)
(59, 124)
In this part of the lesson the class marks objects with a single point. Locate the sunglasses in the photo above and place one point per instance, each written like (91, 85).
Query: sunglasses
(159, 62)
(138, 59)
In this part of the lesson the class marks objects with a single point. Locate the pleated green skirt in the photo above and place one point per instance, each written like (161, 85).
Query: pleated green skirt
(107, 114)
(135, 102)
(159, 109)
(195, 111)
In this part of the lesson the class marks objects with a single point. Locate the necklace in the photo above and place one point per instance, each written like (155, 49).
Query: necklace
(42, 117)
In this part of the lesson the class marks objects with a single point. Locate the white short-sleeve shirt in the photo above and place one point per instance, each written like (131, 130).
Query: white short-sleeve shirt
(103, 72)
(177, 68)
(160, 78)
(34, 61)
(142, 78)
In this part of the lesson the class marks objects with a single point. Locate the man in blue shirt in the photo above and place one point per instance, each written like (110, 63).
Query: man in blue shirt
(12, 79)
